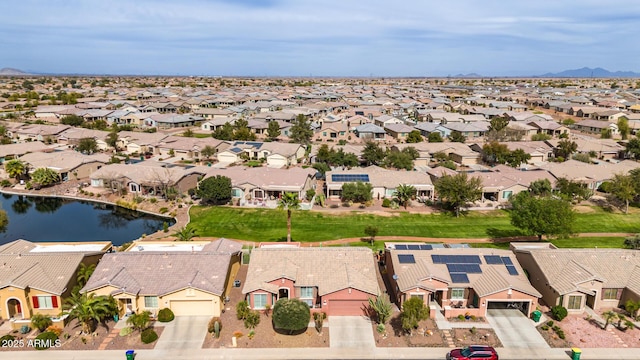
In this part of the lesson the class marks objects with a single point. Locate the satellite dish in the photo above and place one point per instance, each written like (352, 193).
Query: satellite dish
(395, 277)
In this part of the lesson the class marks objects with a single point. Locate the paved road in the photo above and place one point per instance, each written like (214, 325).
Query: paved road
(515, 330)
(350, 332)
(184, 332)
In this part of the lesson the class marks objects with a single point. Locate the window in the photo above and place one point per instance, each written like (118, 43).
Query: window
(150, 302)
(306, 295)
(575, 302)
(324, 133)
(259, 301)
(44, 302)
(236, 193)
(418, 295)
(609, 294)
(457, 294)
(506, 194)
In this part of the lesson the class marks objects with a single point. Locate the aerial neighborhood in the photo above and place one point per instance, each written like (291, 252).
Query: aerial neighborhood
(472, 200)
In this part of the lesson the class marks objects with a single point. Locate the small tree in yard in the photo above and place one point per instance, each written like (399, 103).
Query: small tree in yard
(609, 317)
(242, 310)
(291, 315)
(458, 190)
(139, 321)
(371, 232)
(413, 311)
(289, 202)
(382, 307)
(559, 312)
(252, 319)
(41, 322)
(215, 190)
(632, 308)
(319, 320)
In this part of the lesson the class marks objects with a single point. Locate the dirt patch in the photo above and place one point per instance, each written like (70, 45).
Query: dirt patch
(427, 335)
(584, 209)
(473, 336)
(582, 332)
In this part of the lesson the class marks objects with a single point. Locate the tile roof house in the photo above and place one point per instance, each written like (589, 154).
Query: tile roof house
(37, 282)
(189, 283)
(67, 163)
(337, 281)
(600, 279)
(458, 281)
(276, 154)
(37, 132)
(11, 151)
(370, 132)
(592, 175)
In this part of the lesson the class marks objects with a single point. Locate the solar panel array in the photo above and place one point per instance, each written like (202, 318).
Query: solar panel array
(507, 260)
(459, 278)
(511, 269)
(493, 260)
(413, 247)
(406, 259)
(349, 177)
(456, 259)
(464, 268)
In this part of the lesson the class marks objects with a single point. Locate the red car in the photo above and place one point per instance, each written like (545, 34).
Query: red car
(473, 352)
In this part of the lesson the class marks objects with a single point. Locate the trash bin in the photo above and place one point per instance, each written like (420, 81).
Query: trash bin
(575, 353)
(536, 315)
(131, 355)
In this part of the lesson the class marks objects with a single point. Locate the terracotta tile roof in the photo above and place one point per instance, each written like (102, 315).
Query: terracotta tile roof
(47, 272)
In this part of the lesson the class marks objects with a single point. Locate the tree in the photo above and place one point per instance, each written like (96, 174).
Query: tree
(89, 309)
(301, 131)
(84, 273)
(566, 148)
(186, 233)
(208, 151)
(632, 242)
(413, 311)
(414, 137)
(456, 136)
(291, 315)
(45, 177)
(541, 215)
(573, 190)
(382, 307)
(112, 139)
(517, 157)
(633, 148)
(435, 137)
(358, 191)
(242, 132)
(289, 201)
(458, 190)
(495, 153)
(41, 322)
(215, 190)
(72, 120)
(404, 193)
(623, 127)
(606, 133)
(15, 168)
(609, 316)
(541, 187)
(372, 153)
(273, 130)
(498, 128)
(401, 159)
(540, 137)
(371, 231)
(188, 133)
(139, 321)
(224, 132)
(623, 188)
(87, 146)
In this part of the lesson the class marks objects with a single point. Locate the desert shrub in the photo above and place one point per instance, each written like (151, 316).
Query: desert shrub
(550, 323)
(473, 330)
(153, 200)
(212, 324)
(386, 203)
(54, 329)
(461, 317)
(605, 187)
(165, 315)
(148, 336)
(5, 183)
(559, 312)
(242, 310)
(237, 334)
(41, 322)
(6, 338)
(126, 331)
(163, 210)
(252, 319)
(25, 329)
(291, 315)
(47, 339)
(380, 328)
(544, 327)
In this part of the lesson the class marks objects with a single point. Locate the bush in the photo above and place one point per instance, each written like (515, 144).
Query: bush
(544, 327)
(242, 310)
(25, 329)
(5, 183)
(559, 312)
(148, 336)
(165, 315)
(6, 338)
(380, 328)
(605, 187)
(163, 210)
(386, 203)
(212, 324)
(550, 323)
(47, 339)
(252, 319)
(126, 331)
(56, 330)
(291, 315)
(153, 200)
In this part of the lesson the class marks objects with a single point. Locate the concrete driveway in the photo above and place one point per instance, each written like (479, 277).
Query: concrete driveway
(514, 329)
(350, 332)
(184, 332)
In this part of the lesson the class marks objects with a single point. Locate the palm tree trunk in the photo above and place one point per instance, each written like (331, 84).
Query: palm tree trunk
(288, 225)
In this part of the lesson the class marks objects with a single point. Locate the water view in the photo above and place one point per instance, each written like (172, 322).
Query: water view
(53, 219)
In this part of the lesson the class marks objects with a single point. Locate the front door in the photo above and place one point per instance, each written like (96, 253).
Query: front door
(283, 293)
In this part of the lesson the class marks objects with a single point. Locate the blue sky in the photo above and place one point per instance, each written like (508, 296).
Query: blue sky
(319, 38)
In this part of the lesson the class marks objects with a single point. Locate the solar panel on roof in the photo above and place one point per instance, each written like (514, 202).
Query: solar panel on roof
(511, 269)
(437, 259)
(507, 260)
(459, 278)
(406, 259)
(426, 247)
(349, 177)
(413, 247)
(492, 259)
(464, 268)
(401, 247)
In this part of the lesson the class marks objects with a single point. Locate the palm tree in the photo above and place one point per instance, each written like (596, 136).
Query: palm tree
(41, 322)
(187, 233)
(89, 309)
(15, 168)
(404, 193)
(139, 321)
(609, 317)
(84, 273)
(289, 201)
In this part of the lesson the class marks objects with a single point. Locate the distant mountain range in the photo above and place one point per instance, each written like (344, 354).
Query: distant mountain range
(586, 72)
(12, 71)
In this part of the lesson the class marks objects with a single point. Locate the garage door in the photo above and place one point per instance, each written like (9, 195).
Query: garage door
(347, 307)
(523, 306)
(192, 308)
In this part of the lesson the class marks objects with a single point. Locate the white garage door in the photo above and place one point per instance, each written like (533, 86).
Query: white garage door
(192, 308)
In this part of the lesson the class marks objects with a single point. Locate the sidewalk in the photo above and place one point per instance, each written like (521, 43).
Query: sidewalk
(319, 353)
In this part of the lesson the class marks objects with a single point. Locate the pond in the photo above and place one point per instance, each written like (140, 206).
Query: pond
(42, 219)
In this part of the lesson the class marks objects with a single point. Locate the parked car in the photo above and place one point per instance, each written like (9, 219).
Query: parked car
(473, 352)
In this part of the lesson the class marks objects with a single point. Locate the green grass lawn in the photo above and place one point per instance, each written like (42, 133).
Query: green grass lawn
(310, 226)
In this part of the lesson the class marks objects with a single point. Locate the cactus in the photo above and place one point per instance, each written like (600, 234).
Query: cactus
(216, 329)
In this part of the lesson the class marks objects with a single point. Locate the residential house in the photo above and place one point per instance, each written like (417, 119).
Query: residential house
(276, 154)
(72, 137)
(399, 132)
(131, 142)
(596, 126)
(591, 175)
(335, 280)
(458, 281)
(171, 121)
(600, 148)
(383, 181)
(12, 151)
(190, 283)
(503, 182)
(370, 132)
(599, 279)
(186, 148)
(37, 278)
(70, 165)
(549, 127)
(333, 132)
(38, 132)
